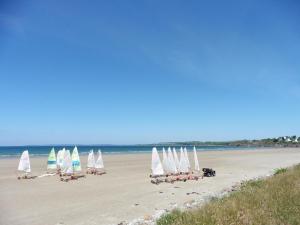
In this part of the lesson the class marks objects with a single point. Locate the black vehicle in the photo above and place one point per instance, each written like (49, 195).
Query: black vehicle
(208, 172)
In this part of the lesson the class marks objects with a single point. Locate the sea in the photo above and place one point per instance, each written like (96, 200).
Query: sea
(36, 151)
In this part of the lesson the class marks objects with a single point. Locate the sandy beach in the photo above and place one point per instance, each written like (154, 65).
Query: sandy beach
(125, 192)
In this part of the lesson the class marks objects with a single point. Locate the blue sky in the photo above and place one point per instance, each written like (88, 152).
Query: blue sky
(124, 72)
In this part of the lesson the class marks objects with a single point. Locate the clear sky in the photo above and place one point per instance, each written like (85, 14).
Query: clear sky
(144, 71)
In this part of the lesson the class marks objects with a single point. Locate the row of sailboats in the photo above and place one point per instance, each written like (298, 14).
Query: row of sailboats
(64, 163)
(172, 165)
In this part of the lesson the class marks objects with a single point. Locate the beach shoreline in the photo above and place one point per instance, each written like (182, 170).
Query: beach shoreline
(125, 192)
(134, 152)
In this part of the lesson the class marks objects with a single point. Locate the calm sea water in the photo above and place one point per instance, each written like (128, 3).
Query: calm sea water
(15, 151)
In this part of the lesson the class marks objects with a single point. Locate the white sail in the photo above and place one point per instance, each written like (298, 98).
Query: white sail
(183, 167)
(67, 163)
(99, 163)
(166, 162)
(187, 158)
(24, 164)
(91, 160)
(172, 161)
(60, 158)
(156, 165)
(196, 162)
(176, 159)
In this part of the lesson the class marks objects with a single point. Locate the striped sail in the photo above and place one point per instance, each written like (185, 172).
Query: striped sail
(51, 163)
(76, 160)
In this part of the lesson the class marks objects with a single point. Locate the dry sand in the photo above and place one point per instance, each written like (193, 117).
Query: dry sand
(125, 193)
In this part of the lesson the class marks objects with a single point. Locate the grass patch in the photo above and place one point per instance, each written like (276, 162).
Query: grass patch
(271, 201)
(280, 170)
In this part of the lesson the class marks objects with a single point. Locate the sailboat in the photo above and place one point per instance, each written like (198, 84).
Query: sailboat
(183, 164)
(71, 164)
(51, 163)
(187, 158)
(60, 159)
(58, 156)
(156, 166)
(67, 167)
(99, 163)
(196, 162)
(91, 162)
(166, 163)
(99, 166)
(176, 158)
(76, 160)
(24, 166)
(172, 162)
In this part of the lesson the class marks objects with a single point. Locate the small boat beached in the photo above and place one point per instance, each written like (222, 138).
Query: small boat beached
(196, 162)
(99, 165)
(24, 166)
(172, 163)
(156, 166)
(95, 167)
(176, 159)
(71, 166)
(76, 160)
(91, 163)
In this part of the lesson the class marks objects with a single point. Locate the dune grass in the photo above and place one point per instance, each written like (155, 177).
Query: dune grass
(271, 201)
(280, 170)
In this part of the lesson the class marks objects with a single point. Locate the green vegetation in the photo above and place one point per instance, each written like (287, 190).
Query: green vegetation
(286, 141)
(272, 201)
(280, 170)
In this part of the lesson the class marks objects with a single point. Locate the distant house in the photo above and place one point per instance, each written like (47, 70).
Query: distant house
(281, 138)
(294, 139)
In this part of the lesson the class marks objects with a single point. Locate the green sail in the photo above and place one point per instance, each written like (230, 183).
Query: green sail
(51, 160)
(76, 160)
